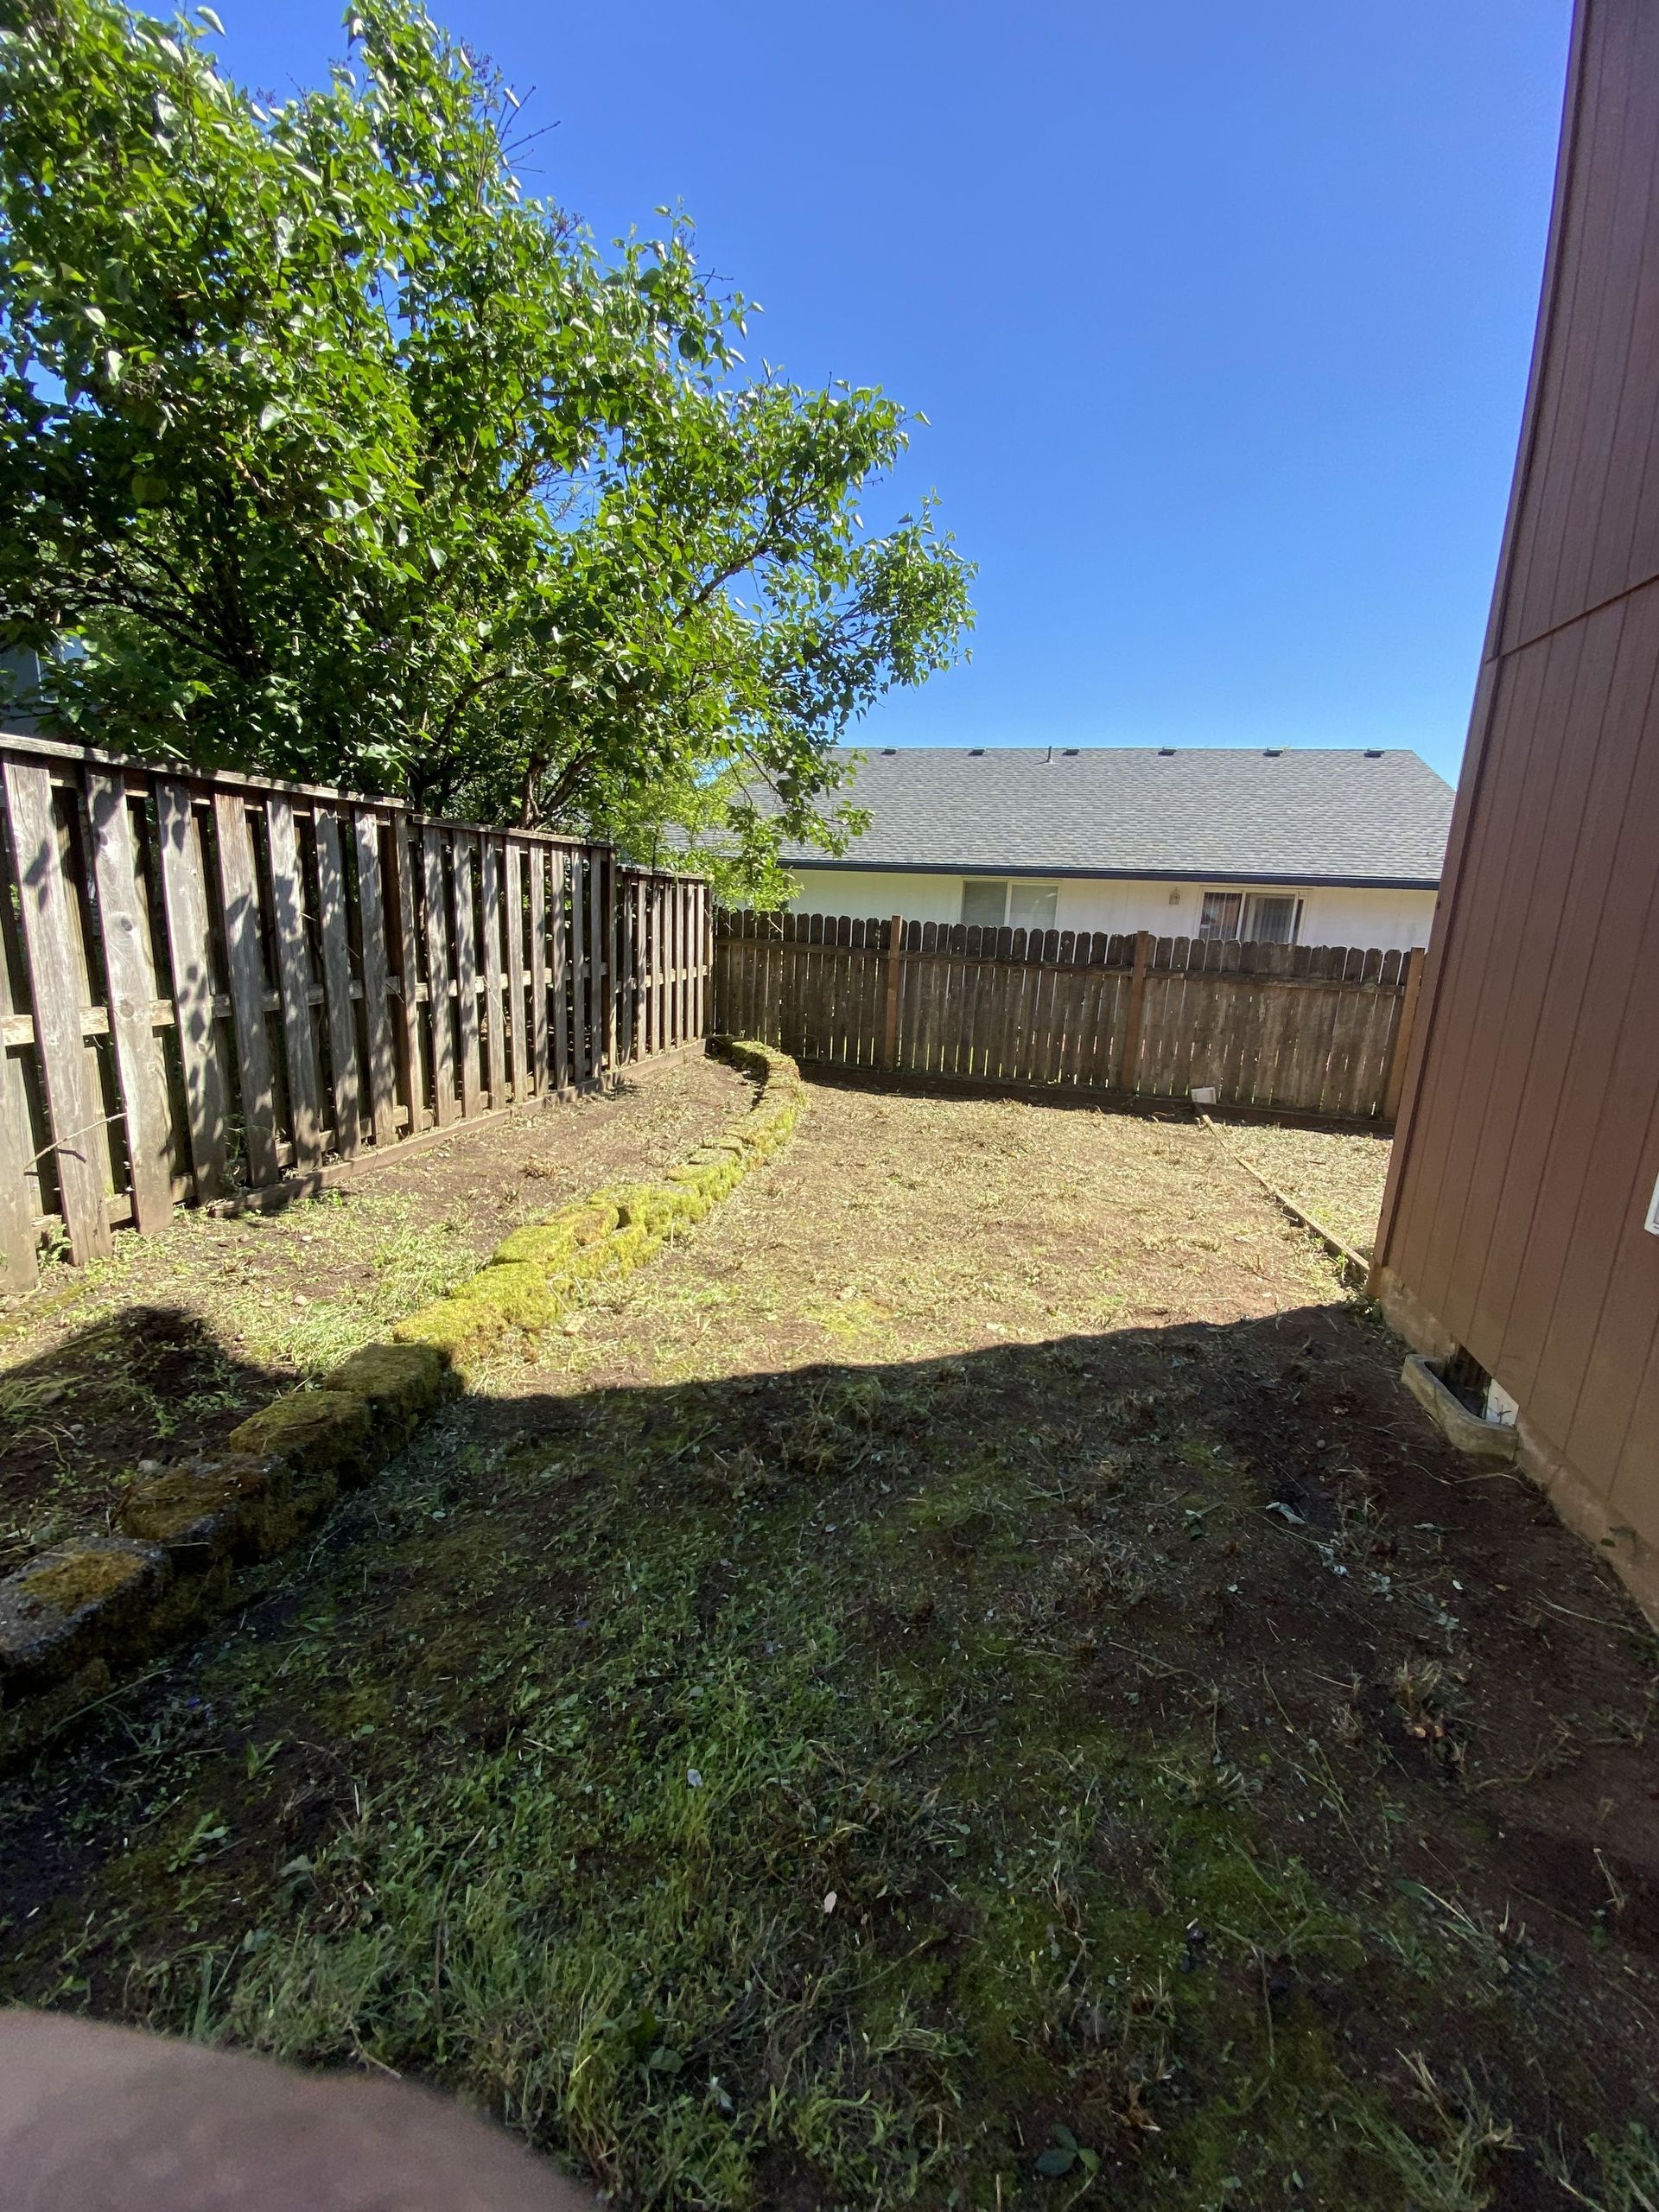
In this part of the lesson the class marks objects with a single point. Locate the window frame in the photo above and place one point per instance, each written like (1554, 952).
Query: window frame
(1248, 902)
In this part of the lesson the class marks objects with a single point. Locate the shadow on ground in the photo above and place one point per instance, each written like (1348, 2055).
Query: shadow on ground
(1147, 1762)
(147, 1384)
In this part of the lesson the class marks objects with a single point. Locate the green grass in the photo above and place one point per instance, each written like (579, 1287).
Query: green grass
(734, 1821)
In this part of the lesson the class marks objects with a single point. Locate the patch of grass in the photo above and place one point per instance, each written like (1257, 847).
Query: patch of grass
(941, 1779)
(1338, 1174)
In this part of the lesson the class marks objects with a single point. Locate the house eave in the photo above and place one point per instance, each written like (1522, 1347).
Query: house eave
(1111, 874)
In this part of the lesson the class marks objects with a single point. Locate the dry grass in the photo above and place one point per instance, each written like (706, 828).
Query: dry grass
(1338, 1174)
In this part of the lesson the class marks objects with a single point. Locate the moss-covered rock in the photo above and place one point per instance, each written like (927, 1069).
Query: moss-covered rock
(89, 1598)
(562, 1238)
(312, 1432)
(206, 1509)
(459, 1329)
(400, 1383)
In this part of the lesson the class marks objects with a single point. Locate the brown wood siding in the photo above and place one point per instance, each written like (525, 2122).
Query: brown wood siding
(1530, 1140)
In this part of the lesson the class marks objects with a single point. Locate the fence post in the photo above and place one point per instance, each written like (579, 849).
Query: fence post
(890, 1011)
(1394, 1084)
(1129, 1067)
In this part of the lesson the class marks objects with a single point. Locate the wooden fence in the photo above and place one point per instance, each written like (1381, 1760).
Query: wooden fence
(209, 984)
(1313, 1029)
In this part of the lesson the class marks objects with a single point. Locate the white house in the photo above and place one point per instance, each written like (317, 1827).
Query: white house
(1285, 845)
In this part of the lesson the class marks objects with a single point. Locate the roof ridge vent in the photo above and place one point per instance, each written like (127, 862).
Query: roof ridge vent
(1373, 753)
(1165, 753)
(975, 753)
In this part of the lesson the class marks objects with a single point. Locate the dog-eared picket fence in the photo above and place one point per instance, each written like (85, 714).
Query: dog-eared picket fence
(1311, 1029)
(210, 984)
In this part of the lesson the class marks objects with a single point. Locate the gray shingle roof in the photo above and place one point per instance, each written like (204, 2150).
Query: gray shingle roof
(1300, 814)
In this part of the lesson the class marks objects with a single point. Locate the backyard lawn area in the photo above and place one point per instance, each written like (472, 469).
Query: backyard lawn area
(966, 1683)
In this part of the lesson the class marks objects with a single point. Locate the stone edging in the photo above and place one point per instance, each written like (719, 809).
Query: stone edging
(87, 1610)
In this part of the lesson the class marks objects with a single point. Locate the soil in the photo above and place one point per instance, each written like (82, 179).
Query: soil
(162, 1349)
(967, 1681)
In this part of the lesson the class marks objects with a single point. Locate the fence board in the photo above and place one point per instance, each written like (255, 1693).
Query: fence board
(1306, 1029)
(239, 896)
(73, 1103)
(405, 951)
(463, 846)
(294, 983)
(441, 1003)
(336, 987)
(376, 1006)
(490, 1012)
(130, 982)
(184, 904)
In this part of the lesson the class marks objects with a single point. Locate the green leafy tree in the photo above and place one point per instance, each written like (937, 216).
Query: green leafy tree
(339, 458)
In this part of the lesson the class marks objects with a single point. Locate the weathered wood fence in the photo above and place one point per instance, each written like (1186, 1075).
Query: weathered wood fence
(1314, 1029)
(210, 984)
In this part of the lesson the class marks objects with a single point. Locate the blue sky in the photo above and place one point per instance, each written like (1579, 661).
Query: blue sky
(1220, 313)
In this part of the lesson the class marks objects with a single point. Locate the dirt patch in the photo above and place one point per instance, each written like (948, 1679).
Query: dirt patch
(161, 1350)
(1338, 1174)
(967, 1682)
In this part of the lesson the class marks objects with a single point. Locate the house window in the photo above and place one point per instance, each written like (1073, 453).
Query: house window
(990, 902)
(984, 902)
(1220, 917)
(1258, 916)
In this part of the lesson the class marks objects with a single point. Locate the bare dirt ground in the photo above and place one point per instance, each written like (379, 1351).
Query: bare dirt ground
(967, 1683)
(163, 1348)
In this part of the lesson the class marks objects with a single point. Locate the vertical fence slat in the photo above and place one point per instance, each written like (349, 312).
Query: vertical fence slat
(294, 983)
(376, 1009)
(337, 986)
(597, 978)
(537, 860)
(439, 977)
(513, 914)
(559, 979)
(184, 903)
(463, 846)
(18, 1239)
(140, 1072)
(579, 1060)
(489, 968)
(239, 891)
(406, 951)
(73, 1103)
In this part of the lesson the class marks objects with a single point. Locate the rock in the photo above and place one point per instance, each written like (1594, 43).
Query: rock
(89, 1599)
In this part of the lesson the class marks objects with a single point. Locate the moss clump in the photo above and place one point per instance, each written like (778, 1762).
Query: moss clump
(313, 1431)
(74, 1579)
(513, 1294)
(79, 1601)
(206, 1511)
(518, 1292)
(400, 1382)
(563, 1236)
(457, 1328)
(538, 1244)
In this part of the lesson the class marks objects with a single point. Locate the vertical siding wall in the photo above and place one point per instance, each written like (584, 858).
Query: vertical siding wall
(1513, 1223)
(212, 984)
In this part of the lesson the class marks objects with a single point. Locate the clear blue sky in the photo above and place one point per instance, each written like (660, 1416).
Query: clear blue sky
(1220, 313)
